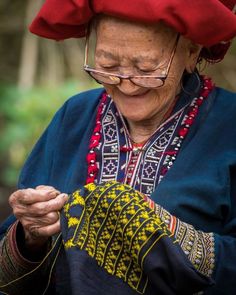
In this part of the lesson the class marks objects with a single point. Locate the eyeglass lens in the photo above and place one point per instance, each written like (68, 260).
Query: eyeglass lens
(115, 80)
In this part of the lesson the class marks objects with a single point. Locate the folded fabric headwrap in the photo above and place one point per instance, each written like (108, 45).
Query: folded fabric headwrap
(204, 22)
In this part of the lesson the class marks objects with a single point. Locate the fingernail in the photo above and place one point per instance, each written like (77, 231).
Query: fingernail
(52, 193)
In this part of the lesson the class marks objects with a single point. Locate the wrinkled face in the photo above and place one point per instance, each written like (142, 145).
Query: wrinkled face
(138, 49)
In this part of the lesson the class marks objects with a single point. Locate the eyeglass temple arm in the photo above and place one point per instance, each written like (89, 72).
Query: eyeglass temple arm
(172, 54)
(87, 45)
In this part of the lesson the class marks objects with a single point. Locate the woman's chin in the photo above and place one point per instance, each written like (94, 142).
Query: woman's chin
(134, 115)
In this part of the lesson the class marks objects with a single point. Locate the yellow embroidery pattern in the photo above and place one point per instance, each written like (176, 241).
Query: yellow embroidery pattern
(115, 227)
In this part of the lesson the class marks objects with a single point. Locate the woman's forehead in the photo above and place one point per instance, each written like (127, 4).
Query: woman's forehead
(139, 56)
(120, 29)
(115, 35)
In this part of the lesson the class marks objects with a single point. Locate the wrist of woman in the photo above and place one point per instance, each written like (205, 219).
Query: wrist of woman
(31, 248)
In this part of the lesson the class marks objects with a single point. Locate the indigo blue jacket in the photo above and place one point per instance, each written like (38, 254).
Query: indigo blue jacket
(199, 189)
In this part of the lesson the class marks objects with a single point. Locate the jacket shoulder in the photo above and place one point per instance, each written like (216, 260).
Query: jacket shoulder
(225, 97)
(86, 98)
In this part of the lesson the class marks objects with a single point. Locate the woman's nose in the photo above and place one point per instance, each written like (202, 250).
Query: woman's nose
(128, 87)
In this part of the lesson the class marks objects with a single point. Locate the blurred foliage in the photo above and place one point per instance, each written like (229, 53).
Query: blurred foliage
(23, 116)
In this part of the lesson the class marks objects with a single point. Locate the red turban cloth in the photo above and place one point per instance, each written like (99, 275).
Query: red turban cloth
(206, 22)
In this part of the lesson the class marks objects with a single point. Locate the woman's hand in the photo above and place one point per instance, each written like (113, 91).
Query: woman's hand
(37, 210)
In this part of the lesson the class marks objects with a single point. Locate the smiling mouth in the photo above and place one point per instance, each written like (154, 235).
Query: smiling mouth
(140, 95)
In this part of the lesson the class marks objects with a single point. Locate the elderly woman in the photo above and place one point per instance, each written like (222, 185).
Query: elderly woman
(148, 161)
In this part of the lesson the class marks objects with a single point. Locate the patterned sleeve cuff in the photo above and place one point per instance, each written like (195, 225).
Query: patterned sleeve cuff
(13, 264)
(17, 274)
(197, 245)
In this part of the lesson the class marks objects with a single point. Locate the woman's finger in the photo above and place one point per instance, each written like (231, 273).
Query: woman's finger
(47, 188)
(31, 196)
(40, 209)
(45, 231)
(48, 219)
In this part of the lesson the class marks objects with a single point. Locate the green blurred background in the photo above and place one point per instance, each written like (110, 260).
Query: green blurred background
(36, 77)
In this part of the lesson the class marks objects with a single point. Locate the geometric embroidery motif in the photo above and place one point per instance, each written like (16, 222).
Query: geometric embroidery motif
(197, 245)
(116, 227)
(150, 161)
(113, 156)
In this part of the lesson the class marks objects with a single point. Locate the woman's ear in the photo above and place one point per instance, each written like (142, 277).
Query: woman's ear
(192, 58)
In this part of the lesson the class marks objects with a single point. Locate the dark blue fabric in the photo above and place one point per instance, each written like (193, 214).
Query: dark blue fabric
(200, 188)
(170, 274)
(165, 263)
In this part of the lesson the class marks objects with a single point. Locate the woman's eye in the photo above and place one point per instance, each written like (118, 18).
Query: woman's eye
(108, 67)
(146, 71)
(151, 70)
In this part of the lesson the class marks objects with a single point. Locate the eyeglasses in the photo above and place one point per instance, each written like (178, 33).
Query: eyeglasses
(147, 81)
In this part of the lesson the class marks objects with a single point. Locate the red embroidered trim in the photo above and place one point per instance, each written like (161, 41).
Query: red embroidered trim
(207, 88)
(94, 142)
(188, 121)
(183, 131)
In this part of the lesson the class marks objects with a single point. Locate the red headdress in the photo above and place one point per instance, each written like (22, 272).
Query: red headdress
(210, 23)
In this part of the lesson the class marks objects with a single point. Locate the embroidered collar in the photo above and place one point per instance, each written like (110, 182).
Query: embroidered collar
(112, 155)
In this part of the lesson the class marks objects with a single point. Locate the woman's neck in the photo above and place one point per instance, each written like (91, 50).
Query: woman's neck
(141, 131)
